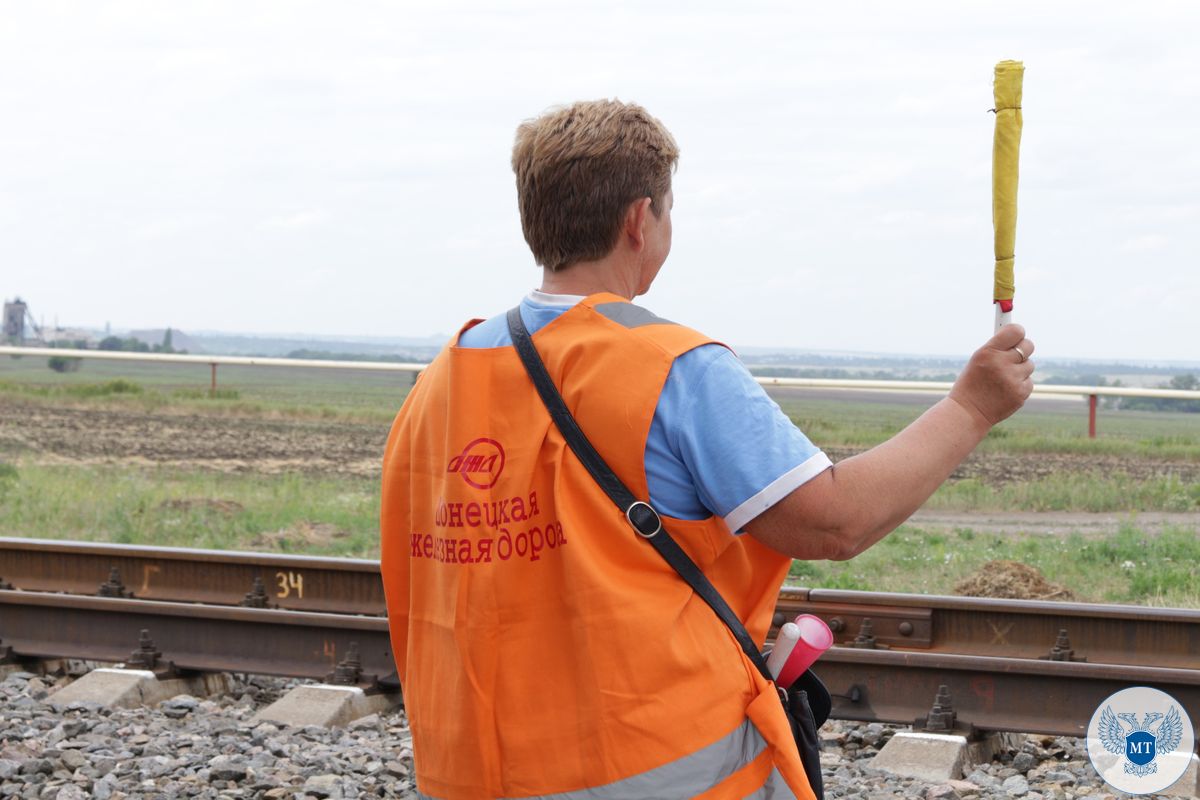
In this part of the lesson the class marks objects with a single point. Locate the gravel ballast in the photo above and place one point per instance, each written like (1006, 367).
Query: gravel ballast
(210, 748)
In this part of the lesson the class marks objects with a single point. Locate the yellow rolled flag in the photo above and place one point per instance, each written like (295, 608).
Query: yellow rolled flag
(1006, 153)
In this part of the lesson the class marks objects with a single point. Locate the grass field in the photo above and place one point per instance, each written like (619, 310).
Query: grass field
(1162, 435)
(328, 515)
(312, 512)
(374, 397)
(362, 395)
(1129, 566)
(289, 513)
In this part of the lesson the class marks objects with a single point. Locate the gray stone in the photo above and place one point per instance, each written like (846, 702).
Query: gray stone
(1015, 786)
(104, 764)
(184, 701)
(72, 759)
(942, 791)
(227, 768)
(872, 734)
(324, 785)
(1059, 776)
(1023, 762)
(103, 788)
(980, 777)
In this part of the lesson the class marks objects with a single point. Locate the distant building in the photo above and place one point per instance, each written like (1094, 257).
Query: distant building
(62, 337)
(14, 320)
(17, 322)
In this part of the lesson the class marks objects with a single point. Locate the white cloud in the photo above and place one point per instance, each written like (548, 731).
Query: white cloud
(294, 221)
(849, 143)
(1145, 243)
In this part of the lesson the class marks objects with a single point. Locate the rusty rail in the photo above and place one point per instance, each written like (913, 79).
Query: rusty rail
(1109, 634)
(1001, 694)
(193, 637)
(298, 583)
(989, 694)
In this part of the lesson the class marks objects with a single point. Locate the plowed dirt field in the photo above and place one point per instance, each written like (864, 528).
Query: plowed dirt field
(97, 435)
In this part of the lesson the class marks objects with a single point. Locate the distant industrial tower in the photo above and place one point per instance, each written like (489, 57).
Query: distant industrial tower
(15, 314)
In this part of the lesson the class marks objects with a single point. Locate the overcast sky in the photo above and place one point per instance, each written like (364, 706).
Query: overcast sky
(343, 168)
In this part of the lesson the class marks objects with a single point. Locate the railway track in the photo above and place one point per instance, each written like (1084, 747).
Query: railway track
(1029, 666)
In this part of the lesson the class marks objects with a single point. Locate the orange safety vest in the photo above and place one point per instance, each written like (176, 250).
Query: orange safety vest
(543, 647)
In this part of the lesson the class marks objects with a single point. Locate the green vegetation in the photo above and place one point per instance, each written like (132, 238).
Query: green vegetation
(64, 364)
(338, 515)
(1070, 491)
(1146, 434)
(130, 345)
(370, 396)
(320, 515)
(8, 478)
(1129, 566)
(289, 392)
(1186, 382)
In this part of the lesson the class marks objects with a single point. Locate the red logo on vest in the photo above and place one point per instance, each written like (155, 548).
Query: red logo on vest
(480, 463)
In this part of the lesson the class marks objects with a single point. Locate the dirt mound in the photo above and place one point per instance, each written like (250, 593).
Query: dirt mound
(301, 536)
(203, 503)
(1012, 580)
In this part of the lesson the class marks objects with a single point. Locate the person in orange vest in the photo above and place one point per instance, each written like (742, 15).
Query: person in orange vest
(545, 649)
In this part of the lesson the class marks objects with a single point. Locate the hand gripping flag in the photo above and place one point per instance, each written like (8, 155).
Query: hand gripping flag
(1006, 153)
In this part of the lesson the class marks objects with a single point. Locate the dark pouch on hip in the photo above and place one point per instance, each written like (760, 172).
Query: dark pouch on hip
(807, 707)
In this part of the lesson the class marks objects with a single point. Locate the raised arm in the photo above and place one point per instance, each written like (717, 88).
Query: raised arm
(852, 505)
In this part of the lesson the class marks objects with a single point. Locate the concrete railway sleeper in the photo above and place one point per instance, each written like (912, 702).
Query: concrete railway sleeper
(174, 639)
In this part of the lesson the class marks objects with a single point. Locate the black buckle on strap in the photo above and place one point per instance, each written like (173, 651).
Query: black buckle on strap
(644, 519)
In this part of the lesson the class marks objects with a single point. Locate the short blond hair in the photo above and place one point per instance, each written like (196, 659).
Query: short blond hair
(579, 167)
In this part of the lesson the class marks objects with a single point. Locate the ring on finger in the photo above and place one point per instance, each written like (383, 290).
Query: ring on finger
(1021, 353)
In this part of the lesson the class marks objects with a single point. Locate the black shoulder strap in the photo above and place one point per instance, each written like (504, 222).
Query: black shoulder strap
(642, 517)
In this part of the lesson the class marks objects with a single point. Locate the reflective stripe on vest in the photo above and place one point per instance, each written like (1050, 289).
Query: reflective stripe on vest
(689, 776)
(775, 788)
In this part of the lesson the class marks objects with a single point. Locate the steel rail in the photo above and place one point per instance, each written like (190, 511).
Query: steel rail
(190, 636)
(298, 583)
(1002, 628)
(939, 387)
(988, 694)
(1097, 633)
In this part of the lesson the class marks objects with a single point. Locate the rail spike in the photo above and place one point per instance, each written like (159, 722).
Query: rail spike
(257, 596)
(113, 586)
(5, 585)
(942, 718)
(148, 657)
(349, 672)
(866, 637)
(1062, 650)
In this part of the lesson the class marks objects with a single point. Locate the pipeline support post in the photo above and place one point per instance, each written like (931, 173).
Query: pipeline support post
(212, 387)
(1093, 401)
